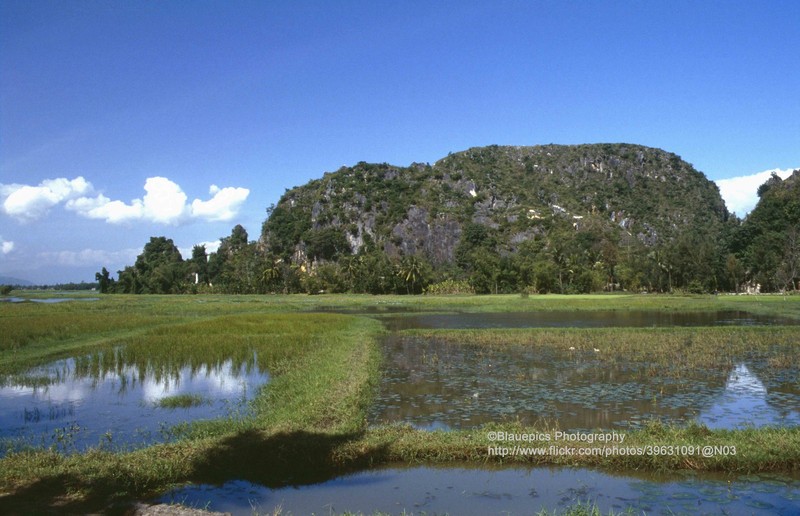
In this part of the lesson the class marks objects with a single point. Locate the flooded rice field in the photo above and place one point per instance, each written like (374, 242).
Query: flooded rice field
(582, 319)
(434, 384)
(98, 400)
(518, 491)
(46, 300)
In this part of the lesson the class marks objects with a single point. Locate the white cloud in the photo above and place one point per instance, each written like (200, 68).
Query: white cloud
(101, 207)
(740, 193)
(26, 203)
(223, 206)
(211, 247)
(164, 202)
(6, 246)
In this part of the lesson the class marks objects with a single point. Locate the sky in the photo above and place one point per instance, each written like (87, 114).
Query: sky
(123, 120)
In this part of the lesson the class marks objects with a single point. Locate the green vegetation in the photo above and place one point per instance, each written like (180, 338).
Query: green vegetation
(767, 247)
(654, 352)
(295, 421)
(181, 401)
(543, 219)
(310, 421)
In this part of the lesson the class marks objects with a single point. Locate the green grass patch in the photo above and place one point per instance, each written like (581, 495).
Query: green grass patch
(181, 401)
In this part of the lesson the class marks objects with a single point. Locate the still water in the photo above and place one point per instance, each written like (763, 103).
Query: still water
(426, 490)
(74, 404)
(582, 319)
(46, 300)
(434, 384)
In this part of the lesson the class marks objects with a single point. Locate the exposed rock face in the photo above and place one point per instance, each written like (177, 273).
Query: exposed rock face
(436, 238)
(516, 192)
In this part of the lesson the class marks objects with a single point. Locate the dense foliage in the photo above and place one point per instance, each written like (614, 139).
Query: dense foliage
(767, 246)
(560, 219)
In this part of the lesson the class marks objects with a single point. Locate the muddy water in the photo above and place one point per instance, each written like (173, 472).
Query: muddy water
(71, 407)
(439, 385)
(425, 490)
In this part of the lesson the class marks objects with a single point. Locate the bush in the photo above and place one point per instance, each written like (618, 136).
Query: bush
(448, 287)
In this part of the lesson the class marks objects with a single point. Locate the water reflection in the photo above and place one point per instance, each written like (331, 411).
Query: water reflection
(90, 401)
(435, 384)
(426, 490)
(746, 400)
(46, 300)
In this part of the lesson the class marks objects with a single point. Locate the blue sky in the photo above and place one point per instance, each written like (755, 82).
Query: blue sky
(125, 120)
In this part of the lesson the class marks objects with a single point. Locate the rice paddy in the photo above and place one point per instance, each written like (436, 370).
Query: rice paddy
(320, 408)
(463, 379)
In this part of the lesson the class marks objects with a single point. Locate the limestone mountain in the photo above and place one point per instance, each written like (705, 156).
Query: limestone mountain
(518, 194)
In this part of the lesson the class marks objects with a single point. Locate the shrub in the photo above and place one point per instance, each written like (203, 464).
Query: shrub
(450, 286)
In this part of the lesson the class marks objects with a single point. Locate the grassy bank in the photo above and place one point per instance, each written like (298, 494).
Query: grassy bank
(324, 369)
(310, 422)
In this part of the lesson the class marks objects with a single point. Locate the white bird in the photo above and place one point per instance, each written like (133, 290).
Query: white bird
(596, 350)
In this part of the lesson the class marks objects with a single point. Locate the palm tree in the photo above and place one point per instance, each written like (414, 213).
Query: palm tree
(410, 270)
(352, 266)
(272, 272)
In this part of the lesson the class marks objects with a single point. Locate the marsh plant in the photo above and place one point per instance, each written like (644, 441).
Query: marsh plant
(182, 401)
(63, 438)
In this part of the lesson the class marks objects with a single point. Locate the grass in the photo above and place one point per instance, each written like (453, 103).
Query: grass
(665, 352)
(181, 401)
(310, 421)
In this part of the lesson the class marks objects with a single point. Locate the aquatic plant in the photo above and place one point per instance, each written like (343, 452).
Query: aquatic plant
(181, 401)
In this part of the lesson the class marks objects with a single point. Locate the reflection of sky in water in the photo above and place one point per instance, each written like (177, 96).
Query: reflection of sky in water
(122, 402)
(503, 491)
(745, 402)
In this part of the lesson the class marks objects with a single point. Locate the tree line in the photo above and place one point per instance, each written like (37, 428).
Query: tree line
(762, 251)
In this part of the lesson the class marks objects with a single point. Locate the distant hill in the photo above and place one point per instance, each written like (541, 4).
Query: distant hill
(585, 205)
(7, 280)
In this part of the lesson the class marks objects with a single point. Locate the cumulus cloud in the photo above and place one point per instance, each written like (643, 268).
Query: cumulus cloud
(223, 206)
(6, 246)
(26, 203)
(101, 207)
(164, 202)
(211, 247)
(740, 193)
